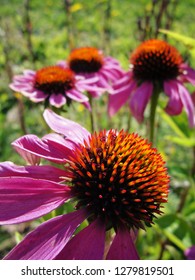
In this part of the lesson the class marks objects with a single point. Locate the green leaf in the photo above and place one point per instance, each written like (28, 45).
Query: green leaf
(188, 41)
(183, 141)
(170, 121)
(174, 239)
(166, 220)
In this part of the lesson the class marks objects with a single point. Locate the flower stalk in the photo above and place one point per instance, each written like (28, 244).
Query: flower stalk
(154, 102)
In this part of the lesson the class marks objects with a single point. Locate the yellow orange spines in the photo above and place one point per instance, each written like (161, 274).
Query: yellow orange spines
(120, 178)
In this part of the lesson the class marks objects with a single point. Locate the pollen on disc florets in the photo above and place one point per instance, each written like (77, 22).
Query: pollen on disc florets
(155, 60)
(54, 79)
(120, 178)
(85, 60)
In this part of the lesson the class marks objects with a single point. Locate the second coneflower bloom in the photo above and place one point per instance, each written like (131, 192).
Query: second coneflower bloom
(54, 85)
(91, 62)
(116, 181)
(155, 65)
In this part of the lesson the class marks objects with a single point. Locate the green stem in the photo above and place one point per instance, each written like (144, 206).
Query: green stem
(91, 113)
(129, 122)
(154, 103)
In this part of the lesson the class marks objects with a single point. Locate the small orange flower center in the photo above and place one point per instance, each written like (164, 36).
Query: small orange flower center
(85, 60)
(120, 178)
(155, 60)
(54, 80)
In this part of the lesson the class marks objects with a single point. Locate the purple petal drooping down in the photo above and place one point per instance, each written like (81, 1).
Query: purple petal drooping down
(88, 244)
(47, 240)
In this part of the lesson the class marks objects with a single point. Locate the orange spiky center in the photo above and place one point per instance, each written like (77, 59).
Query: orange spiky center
(54, 80)
(155, 60)
(85, 60)
(120, 178)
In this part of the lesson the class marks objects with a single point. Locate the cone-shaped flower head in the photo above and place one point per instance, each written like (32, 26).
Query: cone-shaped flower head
(116, 181)
(90, 62)
(86, 60)
(154, 64)
(120, 178)
(155, 60)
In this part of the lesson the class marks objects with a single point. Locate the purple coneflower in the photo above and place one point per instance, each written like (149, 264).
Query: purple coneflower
(154, 64)
(53, 84)
(116, 181)
(91, 62)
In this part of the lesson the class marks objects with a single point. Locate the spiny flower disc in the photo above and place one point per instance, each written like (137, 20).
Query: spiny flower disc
(120, 178)
(85, 60)
(54, 79)
(155, 60)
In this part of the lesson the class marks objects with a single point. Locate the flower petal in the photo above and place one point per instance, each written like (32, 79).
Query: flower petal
(45, 242)
(47, 172)
(56, 139)
(24, 199)
(57, 100)
(75, 95)
(120, 97)
(174, 106)
(31, 148)
(189, 74)
(126, 79)
(140, 100)
(187, 103)
(122, 247)
(71, 130)
(88, 244)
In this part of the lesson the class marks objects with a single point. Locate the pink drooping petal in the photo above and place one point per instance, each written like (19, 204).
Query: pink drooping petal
(23, 79)
(24, 199)
(111, 76)
(76, 95)
(140, 99)
(30, 145)
(122, 247)
(57, 100)
(47, 240)
(125, 80)
(26, 90)
(88, 244)
(87, 105)
(86, 80)
(59, 142)
(47, 172)
(24, 83)
(37, 95)
(174, 106)
(189, 74)
(71, 130)
(187, 103)
(120, 97)
(113, 66)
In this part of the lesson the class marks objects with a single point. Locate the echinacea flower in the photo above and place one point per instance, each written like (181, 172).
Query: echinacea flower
(190, 253)
(154, 63)
(54, 84)
(116, 181)
(91, 62)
